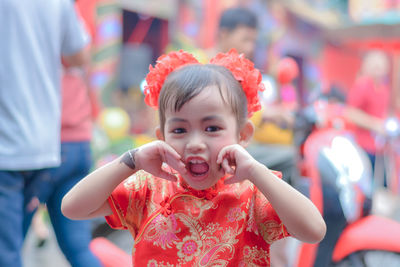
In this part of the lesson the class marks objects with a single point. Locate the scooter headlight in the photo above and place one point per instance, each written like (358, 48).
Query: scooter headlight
(353, 172)
(392, 127)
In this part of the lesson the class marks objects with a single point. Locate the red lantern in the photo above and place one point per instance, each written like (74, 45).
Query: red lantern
(287, 70)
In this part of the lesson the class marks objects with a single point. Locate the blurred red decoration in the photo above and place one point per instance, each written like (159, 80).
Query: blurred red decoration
(287, 70)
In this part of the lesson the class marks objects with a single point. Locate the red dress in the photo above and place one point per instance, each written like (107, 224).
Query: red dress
(174, 225)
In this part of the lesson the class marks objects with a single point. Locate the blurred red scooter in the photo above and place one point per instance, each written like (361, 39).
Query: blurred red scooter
(337, 177)
(109, 254)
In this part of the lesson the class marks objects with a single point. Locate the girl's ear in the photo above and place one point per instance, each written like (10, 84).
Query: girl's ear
(246, 133)
(159, 134)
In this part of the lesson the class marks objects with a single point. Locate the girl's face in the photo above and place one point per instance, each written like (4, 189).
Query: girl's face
(198, 131)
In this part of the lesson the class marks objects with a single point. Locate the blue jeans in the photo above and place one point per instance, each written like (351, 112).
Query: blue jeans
(15, 186)
(73, 236)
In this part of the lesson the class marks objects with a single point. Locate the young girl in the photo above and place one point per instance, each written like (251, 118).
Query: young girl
(196, 197)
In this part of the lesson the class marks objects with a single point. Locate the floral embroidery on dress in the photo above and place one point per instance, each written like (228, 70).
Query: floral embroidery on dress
(229, 235)
(235, 226)
(210, 257)
(235, 214)
(189, 248)
(136, 181)
(211, 229)
(162, 231)
(198, 207)
(251, 222)
(253, 256)
(217, 242)
(154, 263)
(271, 231)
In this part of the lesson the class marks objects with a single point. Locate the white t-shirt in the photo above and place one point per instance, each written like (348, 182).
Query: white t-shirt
(33, 37)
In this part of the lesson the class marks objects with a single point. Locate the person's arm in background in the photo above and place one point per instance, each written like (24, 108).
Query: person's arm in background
(82, 59)
(76, 40)
(354, 110)
(78, 59)
(364, 120)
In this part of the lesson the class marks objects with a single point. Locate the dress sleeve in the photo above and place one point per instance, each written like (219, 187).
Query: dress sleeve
(127, 202)
(268, 222)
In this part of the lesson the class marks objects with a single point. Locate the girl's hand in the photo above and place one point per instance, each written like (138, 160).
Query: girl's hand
(235, 160)
(150, 158)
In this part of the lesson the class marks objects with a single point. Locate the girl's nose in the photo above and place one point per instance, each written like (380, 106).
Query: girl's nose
(195, 143)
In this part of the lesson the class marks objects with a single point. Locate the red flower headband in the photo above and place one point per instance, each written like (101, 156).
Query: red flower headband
(242, 69)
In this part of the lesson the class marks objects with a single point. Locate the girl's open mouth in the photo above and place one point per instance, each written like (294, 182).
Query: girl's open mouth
(198, 168)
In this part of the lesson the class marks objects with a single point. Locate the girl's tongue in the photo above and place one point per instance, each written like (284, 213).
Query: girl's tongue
(198, 168)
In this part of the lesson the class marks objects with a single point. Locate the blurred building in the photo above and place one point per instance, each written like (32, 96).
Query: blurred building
(326, 38)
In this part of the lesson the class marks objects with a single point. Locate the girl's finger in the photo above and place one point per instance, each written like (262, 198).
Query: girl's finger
(222, 153)
(177, 165)
(225, 165)
(169, 151)
(167, 176)
(169, 157)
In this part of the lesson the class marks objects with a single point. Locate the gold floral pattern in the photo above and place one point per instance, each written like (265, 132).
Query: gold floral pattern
(235, 214)
(154, 263)
(162, 231)
(271, 231)
(189, 248)
(230, 226)
(253, 256)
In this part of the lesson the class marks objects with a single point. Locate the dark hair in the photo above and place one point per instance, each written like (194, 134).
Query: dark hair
(187, 82)
(232, 18)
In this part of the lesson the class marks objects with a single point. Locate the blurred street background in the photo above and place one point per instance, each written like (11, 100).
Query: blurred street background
(326, 38)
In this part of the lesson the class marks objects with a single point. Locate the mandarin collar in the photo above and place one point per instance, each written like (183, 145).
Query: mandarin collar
(208, 193)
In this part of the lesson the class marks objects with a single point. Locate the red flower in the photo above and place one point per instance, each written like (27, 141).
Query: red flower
(242, 69)
(249, 77)
(157, 75)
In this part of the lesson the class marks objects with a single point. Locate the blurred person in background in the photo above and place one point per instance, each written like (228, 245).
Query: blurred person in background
(79, 109)
(368, 101)
(274, 123)
(35, 36)
(237, 29)
(273, 141)
(272, 145)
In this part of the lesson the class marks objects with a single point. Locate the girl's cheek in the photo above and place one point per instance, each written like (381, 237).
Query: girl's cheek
(177, 146)
(178, 149)
(217, 149)
(223, 143)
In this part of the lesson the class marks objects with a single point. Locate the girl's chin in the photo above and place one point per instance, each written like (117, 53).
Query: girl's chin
(201, 182)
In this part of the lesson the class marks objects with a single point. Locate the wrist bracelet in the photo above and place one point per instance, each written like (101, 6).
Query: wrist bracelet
(129, 158)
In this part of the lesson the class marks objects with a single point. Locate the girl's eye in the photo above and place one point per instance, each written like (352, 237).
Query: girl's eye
(212, 128)
(179, 131)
